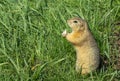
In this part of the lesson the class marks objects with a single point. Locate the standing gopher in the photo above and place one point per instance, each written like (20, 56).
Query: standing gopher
(87, 57)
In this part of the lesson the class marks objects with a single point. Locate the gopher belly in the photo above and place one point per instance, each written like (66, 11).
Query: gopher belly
(87, 60)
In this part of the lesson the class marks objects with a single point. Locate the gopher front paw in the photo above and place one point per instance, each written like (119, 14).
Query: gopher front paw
(64, 33)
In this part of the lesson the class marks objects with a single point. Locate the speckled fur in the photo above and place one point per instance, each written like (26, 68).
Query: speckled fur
(87, 52)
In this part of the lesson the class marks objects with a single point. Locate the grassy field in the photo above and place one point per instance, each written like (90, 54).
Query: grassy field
(31, 45)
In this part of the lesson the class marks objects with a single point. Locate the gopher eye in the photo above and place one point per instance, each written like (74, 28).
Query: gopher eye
(75, 21)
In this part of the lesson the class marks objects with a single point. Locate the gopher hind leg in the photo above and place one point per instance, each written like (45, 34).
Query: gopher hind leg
(82, 69)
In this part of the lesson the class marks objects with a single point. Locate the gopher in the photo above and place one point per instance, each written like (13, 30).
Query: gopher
(87, 52)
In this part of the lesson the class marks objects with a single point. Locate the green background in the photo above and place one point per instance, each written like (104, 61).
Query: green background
(31, 45)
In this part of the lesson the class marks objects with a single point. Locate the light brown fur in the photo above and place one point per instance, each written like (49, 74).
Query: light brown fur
(87, 57)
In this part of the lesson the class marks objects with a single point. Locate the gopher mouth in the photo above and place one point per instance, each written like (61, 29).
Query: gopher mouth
(70, 26)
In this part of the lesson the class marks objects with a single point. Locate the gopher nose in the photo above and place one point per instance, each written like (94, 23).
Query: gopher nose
(69, 22)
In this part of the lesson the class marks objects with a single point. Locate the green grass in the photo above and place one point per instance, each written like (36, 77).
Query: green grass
(31, 45)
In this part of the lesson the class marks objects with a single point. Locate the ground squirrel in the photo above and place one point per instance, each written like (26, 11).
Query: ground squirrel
(87, 57)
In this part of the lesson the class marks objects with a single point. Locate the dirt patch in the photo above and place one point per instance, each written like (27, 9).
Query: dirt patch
(115, 46)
